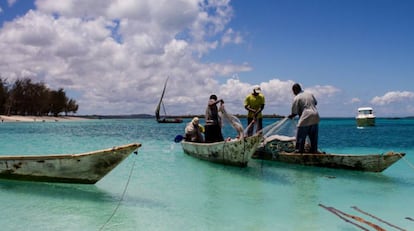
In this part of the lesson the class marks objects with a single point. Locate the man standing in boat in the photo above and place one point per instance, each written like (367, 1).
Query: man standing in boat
(304, 105)
(213, 121)
(254, 103)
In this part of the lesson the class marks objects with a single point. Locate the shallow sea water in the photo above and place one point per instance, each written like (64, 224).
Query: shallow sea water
(169, 190)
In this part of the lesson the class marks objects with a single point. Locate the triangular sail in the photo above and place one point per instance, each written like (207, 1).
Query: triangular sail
(157, 110)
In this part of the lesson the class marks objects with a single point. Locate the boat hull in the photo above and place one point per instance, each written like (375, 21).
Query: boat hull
(176, 120)
(85, 168)
(282, 151)
(365, 122)
(234, 152)
(365, 117)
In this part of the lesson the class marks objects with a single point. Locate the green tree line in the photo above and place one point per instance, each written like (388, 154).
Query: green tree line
(26, 98)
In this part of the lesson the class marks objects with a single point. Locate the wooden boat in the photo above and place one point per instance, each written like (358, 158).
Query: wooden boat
(282, 148)
(169, 120)
(165, 119)
(365, 117)
(236, 152)
(84, 168)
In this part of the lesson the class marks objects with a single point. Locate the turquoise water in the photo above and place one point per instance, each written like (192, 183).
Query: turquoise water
(169, 190)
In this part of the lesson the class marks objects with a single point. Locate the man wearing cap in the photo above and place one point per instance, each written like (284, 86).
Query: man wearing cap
(193, 131)
(254, 104)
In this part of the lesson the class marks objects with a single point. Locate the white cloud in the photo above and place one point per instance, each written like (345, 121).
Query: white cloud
(231, 37)
(73, 8)
(30, 31)
(355, 100)
(392, 97)
(114, 56)
(11, 2)
(323, 91)
(278, 95)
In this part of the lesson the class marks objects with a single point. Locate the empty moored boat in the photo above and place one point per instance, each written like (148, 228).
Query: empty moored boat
(84, 168)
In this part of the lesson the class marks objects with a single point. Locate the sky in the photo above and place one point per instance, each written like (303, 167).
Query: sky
(113, 56)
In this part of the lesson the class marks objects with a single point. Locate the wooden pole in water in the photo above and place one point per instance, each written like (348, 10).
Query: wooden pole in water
(379, 219)
(339, 212)
(330, 209)
(409, 218)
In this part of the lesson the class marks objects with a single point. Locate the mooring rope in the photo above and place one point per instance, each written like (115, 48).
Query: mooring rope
(223, 158)
(123, 194)
(405, 159)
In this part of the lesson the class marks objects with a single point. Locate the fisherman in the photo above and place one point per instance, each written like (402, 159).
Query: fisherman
(213, 121)
(193, 131)
(254, 103)
(304, 105)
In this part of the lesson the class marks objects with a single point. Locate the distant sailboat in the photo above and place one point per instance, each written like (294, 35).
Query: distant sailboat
(157, 110)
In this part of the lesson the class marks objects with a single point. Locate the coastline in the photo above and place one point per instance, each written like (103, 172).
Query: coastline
(17, 118)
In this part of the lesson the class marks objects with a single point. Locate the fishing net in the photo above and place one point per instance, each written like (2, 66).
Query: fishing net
(233, 121)
(279, 137)
(283, 127)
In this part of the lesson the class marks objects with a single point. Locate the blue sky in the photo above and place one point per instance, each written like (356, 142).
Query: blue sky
(330, 42)
(349, 53)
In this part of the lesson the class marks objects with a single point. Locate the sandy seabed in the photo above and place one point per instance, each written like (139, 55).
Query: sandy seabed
(15, 118)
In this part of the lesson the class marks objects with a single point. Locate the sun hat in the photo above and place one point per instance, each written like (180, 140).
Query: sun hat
(256, 89)
(195, 120)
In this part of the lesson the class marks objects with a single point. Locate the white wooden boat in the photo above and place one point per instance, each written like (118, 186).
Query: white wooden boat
(236, 152)
(365, 117)
(84, 168)
(281, 149)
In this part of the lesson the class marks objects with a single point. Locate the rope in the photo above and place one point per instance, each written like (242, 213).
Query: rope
(261, 165)
(123, 195)
(409, 164)
(224, 153)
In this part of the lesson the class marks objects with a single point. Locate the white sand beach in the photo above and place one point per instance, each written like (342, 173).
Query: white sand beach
(16, 118)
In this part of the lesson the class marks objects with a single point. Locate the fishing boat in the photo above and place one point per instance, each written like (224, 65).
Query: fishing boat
(236, 152)
(165, 119)
(365, 117)
(84, 168)
(282, 149)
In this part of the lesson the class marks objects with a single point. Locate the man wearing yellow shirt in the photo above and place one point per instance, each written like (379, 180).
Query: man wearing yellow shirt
(254, 104)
